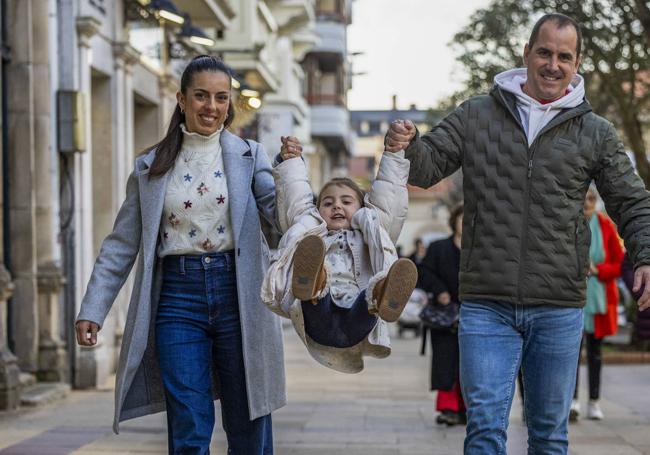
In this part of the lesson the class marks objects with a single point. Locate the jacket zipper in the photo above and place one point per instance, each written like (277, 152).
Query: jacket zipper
(524, 224)
(575, 242)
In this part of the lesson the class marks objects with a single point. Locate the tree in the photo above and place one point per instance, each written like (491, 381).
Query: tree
(615, 56)
(643, 13)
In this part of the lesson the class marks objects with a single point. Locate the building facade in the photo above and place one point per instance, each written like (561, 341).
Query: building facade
(328, 77)
(87, 85)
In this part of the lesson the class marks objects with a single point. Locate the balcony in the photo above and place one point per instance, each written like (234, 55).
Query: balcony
(331, 124)
(333, 39)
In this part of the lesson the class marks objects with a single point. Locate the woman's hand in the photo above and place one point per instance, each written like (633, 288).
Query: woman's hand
(86, 333)
(593, 270)
(291, 148)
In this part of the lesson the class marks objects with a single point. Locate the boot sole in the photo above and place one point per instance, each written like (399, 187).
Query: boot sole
(400, 282)
(307, 263)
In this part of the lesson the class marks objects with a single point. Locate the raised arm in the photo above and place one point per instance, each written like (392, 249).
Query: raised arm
(294, 196)
(389, 195)
(434, 155)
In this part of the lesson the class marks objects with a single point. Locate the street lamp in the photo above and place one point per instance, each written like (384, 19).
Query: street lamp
(195, 34)
(254, 102)
(167, 10)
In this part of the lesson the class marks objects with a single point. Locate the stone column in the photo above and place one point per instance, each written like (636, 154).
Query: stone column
(123, 157)
(52, 361)
(9, 371)
(86, 365)
(22, 201)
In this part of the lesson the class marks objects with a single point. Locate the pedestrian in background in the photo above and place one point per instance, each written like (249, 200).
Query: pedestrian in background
(601, 310)
(419, 252)
(528, 150)
(195, 324)
(438, 276)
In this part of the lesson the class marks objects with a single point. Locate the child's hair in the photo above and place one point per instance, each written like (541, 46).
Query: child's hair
(342, 181)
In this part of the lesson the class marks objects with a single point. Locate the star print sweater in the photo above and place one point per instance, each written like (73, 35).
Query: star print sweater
(196, 216)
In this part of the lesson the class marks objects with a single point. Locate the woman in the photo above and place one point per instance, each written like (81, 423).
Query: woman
(439, 278)
(601, 310)
(196, 327)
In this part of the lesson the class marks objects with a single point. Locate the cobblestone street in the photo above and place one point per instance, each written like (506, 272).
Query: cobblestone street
(385, 410)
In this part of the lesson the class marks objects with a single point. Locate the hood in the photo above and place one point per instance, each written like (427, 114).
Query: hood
(512, 81)
(535, 115)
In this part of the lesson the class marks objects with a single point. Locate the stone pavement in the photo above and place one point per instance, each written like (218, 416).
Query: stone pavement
(384, 410)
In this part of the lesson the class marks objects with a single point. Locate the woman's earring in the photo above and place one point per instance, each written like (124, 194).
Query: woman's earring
(182, 110)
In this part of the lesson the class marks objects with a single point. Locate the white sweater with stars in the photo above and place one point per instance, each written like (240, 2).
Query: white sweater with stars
(196, 216)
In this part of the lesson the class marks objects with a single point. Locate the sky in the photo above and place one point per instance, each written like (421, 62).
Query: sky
(406, 52)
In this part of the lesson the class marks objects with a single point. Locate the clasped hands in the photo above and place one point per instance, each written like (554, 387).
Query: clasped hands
(399, 135)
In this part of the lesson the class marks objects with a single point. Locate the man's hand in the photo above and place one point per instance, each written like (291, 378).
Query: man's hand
(444, 298)
(399, 135)
(642, 282)
(291, 148)
(86, 333)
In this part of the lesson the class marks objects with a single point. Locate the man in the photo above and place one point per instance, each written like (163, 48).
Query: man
(528, 151)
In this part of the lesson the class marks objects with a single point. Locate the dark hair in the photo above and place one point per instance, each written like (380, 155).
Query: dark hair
(342, 181)
(168, 148)
(455, 213)
(561, 20)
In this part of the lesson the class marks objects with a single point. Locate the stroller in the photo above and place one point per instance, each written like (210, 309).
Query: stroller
(410, 317)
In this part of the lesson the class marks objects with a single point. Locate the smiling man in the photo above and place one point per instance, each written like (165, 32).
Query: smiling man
(528, 151)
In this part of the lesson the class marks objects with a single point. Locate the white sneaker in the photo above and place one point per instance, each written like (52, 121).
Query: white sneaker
(593, 410)
(574, 412)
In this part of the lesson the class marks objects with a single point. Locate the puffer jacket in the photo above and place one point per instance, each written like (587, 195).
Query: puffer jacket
(525, 238)
(378, 223)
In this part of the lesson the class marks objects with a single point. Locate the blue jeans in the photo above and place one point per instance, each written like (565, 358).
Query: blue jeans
(198, 335)
(496, 339)
(330, 325)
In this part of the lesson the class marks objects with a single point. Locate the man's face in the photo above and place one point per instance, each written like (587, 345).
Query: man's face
(551, 61)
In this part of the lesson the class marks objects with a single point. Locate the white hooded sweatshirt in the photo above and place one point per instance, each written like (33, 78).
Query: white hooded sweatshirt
(533, 114)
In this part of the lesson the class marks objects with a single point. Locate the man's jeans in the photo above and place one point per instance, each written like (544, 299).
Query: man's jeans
(496, 339)
(197, 333)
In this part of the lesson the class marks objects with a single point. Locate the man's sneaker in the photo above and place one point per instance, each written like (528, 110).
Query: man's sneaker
(308, 272)
(393, 292)
(593, 410)
(574, 412)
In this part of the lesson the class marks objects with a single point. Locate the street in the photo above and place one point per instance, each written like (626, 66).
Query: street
(385, 410)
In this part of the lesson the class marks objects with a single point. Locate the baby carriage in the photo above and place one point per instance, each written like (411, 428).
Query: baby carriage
(410, 317)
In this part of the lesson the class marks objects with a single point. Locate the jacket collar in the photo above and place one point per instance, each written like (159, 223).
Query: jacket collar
(509, 102)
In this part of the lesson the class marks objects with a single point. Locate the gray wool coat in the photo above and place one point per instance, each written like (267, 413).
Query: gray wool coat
(138, 389)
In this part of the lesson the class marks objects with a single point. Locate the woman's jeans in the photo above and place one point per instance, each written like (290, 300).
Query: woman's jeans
(198, 335)
(498, 338)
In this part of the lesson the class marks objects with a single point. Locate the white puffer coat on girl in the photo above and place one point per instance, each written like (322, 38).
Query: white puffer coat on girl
(379, 223)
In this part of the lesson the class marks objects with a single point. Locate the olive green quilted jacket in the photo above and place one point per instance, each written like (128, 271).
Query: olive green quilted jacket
(525, 238)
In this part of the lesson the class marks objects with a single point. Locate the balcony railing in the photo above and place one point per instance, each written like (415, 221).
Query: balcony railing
(326, 99)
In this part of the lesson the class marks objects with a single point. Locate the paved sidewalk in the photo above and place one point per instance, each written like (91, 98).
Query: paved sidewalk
(384, 410)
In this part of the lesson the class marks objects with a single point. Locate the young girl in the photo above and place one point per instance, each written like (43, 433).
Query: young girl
(336, 274)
